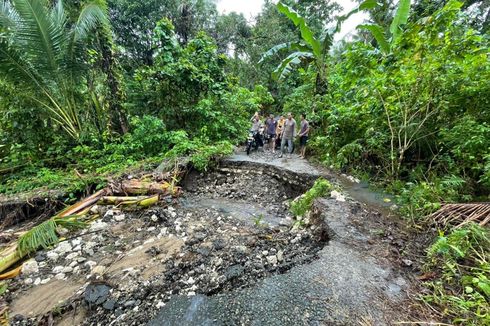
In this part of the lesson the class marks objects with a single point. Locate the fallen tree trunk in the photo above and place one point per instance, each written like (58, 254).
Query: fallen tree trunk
(138, 187)
(140, 201)
(14, 253)
(84, 204)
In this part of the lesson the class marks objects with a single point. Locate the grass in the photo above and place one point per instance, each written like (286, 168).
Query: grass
(68, 180)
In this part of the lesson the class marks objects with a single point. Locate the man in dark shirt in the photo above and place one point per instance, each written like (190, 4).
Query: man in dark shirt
(303, 135)
(271, 132)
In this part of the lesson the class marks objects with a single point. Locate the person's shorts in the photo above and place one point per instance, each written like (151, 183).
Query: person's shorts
(271, 136)
(303, 140)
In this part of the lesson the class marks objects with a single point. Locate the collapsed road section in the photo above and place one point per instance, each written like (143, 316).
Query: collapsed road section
(227, 230)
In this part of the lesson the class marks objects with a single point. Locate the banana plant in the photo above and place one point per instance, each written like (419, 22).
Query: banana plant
(41, 52)
(310, 49)
(386, 42)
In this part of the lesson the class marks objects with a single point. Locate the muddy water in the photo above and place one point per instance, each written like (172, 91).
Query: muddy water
(362, 192)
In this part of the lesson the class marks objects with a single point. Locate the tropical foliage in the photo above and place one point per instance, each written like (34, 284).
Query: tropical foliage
(41, 52)
(90, 90)
(311, 48)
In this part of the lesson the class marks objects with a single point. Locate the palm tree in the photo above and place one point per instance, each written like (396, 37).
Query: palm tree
(40, 52)
(311, 49)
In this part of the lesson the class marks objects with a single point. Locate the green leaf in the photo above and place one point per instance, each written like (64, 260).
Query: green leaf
(284, 46)
(457, 250)
(44, 235)
(378, 34)
(401, 18)
(287, 64)
(306, 32)
(366, 5)
(485, 287)
(8, 16)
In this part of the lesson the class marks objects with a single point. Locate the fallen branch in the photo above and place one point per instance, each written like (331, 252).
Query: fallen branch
(81, 205)
(45, 234)
(140, 201)
(116, 200)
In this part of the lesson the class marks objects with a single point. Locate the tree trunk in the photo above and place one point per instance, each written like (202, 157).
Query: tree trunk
(119, 121)
(321, 82)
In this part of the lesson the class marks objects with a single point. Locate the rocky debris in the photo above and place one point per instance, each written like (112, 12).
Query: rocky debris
(337, 195)
(216, 252)
(351, 178)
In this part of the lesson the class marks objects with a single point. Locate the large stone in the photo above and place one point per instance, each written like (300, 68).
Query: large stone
(272, 260)
(52, 256)
(60, 276)
(99, 270)
(98, 225)
(67, 269)
(63, 248)
(58, 269)
(96, 293)
(73, 255)
(30, 267)
(119, 218)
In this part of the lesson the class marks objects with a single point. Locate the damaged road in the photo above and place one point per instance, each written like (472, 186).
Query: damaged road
(226, 252)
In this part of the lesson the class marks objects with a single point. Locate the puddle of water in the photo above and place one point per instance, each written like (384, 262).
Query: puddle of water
(363, 193)
(243, 211)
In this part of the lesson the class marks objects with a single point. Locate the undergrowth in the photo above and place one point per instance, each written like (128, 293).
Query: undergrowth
(462, 287)
(91, 165)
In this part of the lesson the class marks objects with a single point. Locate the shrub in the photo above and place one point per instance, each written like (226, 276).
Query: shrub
(301, 205)
(463, 289)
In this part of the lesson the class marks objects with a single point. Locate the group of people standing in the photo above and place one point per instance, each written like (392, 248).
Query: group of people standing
(283, 131)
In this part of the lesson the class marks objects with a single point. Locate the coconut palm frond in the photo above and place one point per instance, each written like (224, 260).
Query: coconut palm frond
(41, 52)
(42, 38)
(92, 15)
(70, 222)
(8, 16)
(45, 235)
(15, 68)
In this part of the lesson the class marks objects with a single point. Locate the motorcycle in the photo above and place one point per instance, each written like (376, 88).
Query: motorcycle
(254, 140)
